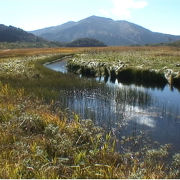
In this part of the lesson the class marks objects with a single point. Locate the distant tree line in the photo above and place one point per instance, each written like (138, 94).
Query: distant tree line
(174, 44)
(85, 42)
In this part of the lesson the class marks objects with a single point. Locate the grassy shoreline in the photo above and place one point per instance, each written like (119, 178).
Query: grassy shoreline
(139, 65)
(39, 140)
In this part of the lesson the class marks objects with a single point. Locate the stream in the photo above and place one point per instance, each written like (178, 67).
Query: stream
(126, 109)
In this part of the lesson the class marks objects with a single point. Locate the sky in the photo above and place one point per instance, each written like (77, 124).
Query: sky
(157, 15)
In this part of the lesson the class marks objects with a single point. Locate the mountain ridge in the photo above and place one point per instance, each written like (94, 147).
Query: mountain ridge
(107, 30)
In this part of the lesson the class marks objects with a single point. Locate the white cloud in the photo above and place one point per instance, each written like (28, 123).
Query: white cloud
(122, 8)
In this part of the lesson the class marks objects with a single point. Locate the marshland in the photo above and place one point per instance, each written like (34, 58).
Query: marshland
(111, 112)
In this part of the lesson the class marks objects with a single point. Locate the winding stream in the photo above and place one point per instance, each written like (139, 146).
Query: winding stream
(126, 109)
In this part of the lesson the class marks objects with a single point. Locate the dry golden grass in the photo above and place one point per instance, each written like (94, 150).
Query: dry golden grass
(37, 51)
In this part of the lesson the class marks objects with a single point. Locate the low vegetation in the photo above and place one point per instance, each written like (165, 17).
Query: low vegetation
(142, 65)
(83, 42)
(20, 45)
(176, 44)
(38, 139)
(173, 44)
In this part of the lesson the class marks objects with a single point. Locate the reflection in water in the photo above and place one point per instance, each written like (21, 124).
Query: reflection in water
(106, 104)
(127, 109)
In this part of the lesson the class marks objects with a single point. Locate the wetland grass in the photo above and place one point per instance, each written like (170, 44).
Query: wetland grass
(40, 141)
(141, 65)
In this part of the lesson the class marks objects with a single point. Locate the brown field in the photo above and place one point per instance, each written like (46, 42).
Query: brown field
(37, 51)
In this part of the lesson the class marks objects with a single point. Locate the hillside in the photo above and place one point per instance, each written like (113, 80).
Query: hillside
(12, 37)
(106, 30)
(13, 34)
(85, 42)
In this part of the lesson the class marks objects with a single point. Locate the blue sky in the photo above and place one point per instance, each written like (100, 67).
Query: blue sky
(156, 15)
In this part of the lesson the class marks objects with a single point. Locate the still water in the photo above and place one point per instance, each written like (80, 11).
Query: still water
(126, 109)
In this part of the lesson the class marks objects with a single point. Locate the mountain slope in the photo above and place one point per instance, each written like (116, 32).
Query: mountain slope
(13, 34)
(106, 30)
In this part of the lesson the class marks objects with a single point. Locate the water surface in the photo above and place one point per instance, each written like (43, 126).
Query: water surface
(126, 109)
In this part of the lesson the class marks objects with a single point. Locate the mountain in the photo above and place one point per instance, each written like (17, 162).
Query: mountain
(85, 42)
(106, 30)
(13, 34)
(53, 30)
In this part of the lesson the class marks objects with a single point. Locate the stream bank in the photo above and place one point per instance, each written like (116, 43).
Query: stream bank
(124, 73)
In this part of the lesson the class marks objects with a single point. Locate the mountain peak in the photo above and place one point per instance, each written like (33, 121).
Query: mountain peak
(113, 33)
(96, 18)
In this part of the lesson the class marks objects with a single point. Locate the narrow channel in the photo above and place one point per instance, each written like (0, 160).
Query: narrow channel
(126, 109)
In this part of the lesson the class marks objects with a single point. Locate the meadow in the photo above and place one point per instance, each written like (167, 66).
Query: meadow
(38, 139)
